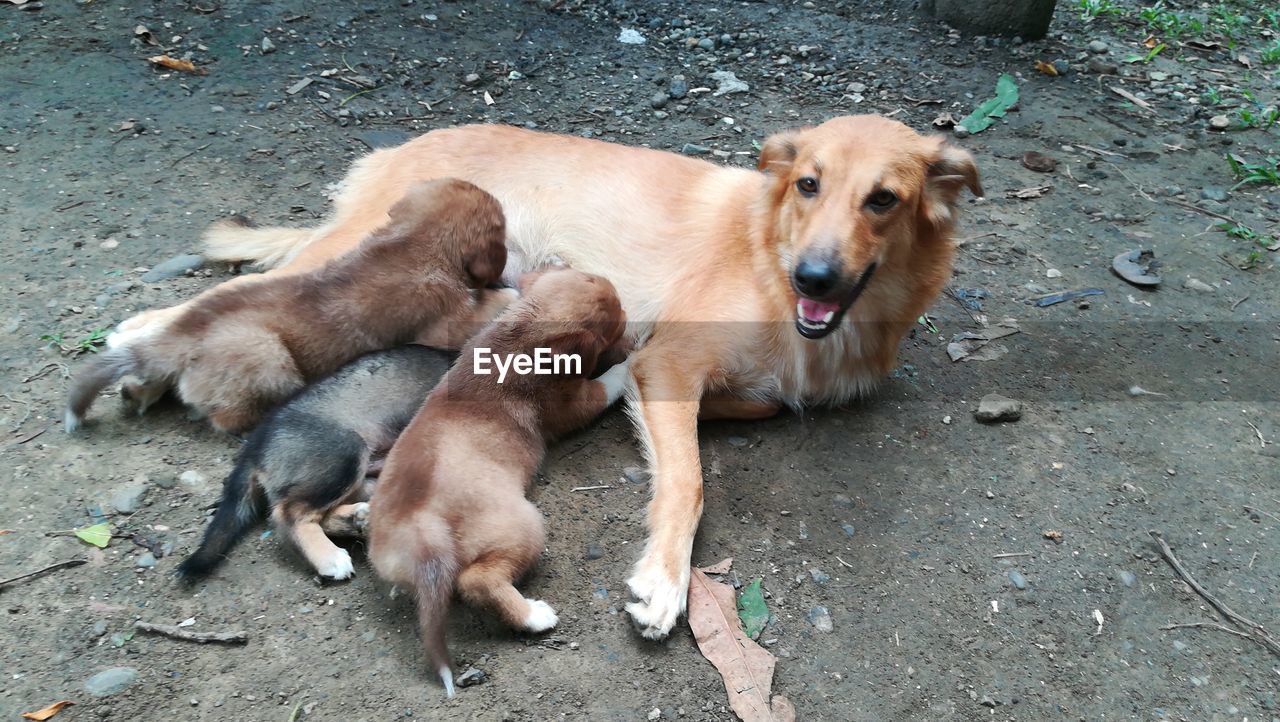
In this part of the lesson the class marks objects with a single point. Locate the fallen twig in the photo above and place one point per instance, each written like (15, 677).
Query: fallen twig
(1257, 432)
(1132, 98)
(188, 155)
(45, 369)
(591, 488)
(1100, 151)
(176, 632)
(1211, 625)
(1256, 632)
(1236, 305)
(1256, 510)
(1006, 555)
(1206, 211)
(847, 564)
(31, 436)
(60, 565)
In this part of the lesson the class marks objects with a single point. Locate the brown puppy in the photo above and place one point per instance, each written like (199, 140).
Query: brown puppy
(237, 351)
(449, 509)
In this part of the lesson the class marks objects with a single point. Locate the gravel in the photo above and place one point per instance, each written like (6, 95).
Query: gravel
(820, 618)
(110, 681)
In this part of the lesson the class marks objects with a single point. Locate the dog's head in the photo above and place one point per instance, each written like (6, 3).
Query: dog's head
(465, 223)
(852, 195)
(577, 313)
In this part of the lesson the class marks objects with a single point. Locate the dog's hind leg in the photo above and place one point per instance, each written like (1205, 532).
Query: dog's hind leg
(137, 395)
(303, 528)
(311, 483)
(515, 538)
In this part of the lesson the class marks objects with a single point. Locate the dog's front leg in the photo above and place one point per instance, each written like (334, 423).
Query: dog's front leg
(665, 407)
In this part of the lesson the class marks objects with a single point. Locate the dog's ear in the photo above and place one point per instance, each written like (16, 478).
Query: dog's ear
(779, 151)
(586, 344)
(950, 170)
(484, 263)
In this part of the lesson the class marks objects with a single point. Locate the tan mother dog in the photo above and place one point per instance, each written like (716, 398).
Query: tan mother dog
(747, 290)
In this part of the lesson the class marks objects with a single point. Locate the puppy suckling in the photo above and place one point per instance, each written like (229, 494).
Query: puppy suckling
(309, 459)
(449, 511)
(239, 351)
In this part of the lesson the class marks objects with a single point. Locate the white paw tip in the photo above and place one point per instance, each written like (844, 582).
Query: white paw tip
(446, 678)
(338, 566)
(70, 421)
(541, 616)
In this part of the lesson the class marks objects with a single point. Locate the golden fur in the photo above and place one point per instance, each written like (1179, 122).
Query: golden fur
(703, 258)
(449, 508)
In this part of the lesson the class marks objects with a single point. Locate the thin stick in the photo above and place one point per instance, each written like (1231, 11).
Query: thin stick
(847, 564)
(170, 630)
(60, 565)
(188, 155)
(32, 436)
(1100, 151)
(45, 369)
(1258, 433)
(1205, 211)
(591, 488)
(1132, 98)
(1236, 305)
(1011, 554)
(1258, 634)
(1211, 625)
(1256, 510)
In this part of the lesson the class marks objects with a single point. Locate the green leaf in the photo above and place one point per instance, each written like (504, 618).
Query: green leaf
(983, 116)
(751, 609)
(98, 535)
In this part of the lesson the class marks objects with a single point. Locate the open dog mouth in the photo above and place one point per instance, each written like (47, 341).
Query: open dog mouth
(815, 318)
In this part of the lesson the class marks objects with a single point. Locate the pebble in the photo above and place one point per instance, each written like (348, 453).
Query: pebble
(994, 408)
(635, 475)
(1180, 645)
(174, 267)
(594, 551)
(192, 478)
(856, 88)
(1097, 47)
(960, 131)
(819, 576)
(109, 245)
(127, 499)
(472, 677)
(820, 618)
(678, 88)
(268, 47)
(1053, 273)
(654, 714)
(738, 441)
(659, 100)
(707, 44)
(471, 79)
(695, 149)
(630, 36)
(1062, 66)
(840, 501)
(847, 529)
(1195, 284)
(1019, 581)
(1219, 122)
(728, 83)
(99, 628)
(110, 681)
(145, 561)
(1210, 193)
(1128, 578)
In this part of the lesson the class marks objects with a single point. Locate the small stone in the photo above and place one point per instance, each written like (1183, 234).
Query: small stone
(706, 44)
(1128, 578)
(856, 87)
(173, 267)
(847, 528)
(1097, 47)
(217, 109)
(471, 79)
(166, 482)
(594, 551)
(268, 47)
(127, 499)
(630, 36)
(192, 478)
(737, 441)
(109, 245)
(1219, 122)
(1053, 273)
(1062, 66)
(471, 677)
(1195, 284)
(695, 149)
(986, 701)
(960, 131)
(728, 83)
(635, 475)
(111, 681)
(820, 618)
(678, 88)
(1099, 66)
(1180, 645)
(659, 100)
(99, 628)
(841, 501)
(654, 714)
(145, 561)
(819, 576)
(994, 408)
(1019, 581)
(1210, 193)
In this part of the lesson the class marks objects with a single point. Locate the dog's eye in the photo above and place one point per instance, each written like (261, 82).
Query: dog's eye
(882, 200)
(807, 185)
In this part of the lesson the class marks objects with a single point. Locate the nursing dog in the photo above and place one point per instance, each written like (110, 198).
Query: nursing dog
(750, 290)
(309, 460)
(449, 510)
(238, 351)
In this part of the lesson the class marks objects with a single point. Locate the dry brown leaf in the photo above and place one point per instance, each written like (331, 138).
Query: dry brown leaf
(720, 567)
(1029, 193)
(142, 33)
(944, 120)
(47, 712)
(746, 667)
(1046, 68)
(1150, 42)
(185, 66)
(1053, 534)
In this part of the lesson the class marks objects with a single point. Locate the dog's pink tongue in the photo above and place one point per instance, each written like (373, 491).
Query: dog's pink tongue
(816, 310)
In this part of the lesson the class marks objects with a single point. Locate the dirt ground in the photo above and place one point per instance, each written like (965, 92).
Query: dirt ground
(911, 523)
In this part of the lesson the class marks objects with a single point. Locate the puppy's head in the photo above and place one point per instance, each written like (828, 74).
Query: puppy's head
(576, 313)
(464, 224)
(852, 195)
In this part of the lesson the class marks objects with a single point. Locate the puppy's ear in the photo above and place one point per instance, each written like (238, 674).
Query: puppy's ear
(485, 263)
(583, 343)
(779, 151)
(950, 170)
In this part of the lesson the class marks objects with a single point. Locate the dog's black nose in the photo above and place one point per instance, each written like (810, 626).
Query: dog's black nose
(815, 277)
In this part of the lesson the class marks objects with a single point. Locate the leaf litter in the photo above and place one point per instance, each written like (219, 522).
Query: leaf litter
(985, 114)
(746, 667)
(752, 610)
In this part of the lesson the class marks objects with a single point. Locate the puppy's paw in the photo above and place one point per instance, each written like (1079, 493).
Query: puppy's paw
(136, 395)
(541, 617)
(337, 566)
(660, 598)
(360, 517)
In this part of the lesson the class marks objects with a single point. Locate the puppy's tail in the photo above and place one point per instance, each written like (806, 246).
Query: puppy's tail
(434, 588)
(237, 511)
(238, 239)
(105, 369)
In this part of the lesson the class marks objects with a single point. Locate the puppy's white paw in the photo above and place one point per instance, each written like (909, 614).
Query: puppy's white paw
(541, 616)
(337, 566)
(661, 598)
(360, 516)
(616, 380)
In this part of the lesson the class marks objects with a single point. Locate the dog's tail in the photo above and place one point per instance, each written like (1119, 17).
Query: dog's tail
(105, 369)
(434, 584)
(238, 239)
(237, 511)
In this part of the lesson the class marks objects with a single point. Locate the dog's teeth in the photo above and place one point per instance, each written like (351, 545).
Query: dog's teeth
(830, 315)
(799, 310)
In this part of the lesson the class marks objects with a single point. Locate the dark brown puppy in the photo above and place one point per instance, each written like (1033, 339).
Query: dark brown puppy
(449, 509)
(240, 350)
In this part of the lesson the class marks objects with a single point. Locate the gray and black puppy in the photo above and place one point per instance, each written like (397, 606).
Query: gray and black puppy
(311, 457)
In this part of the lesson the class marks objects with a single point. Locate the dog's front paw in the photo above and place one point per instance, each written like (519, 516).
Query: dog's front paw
(661, 598)
(541, 616)
(360, 517)
(338, 566)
